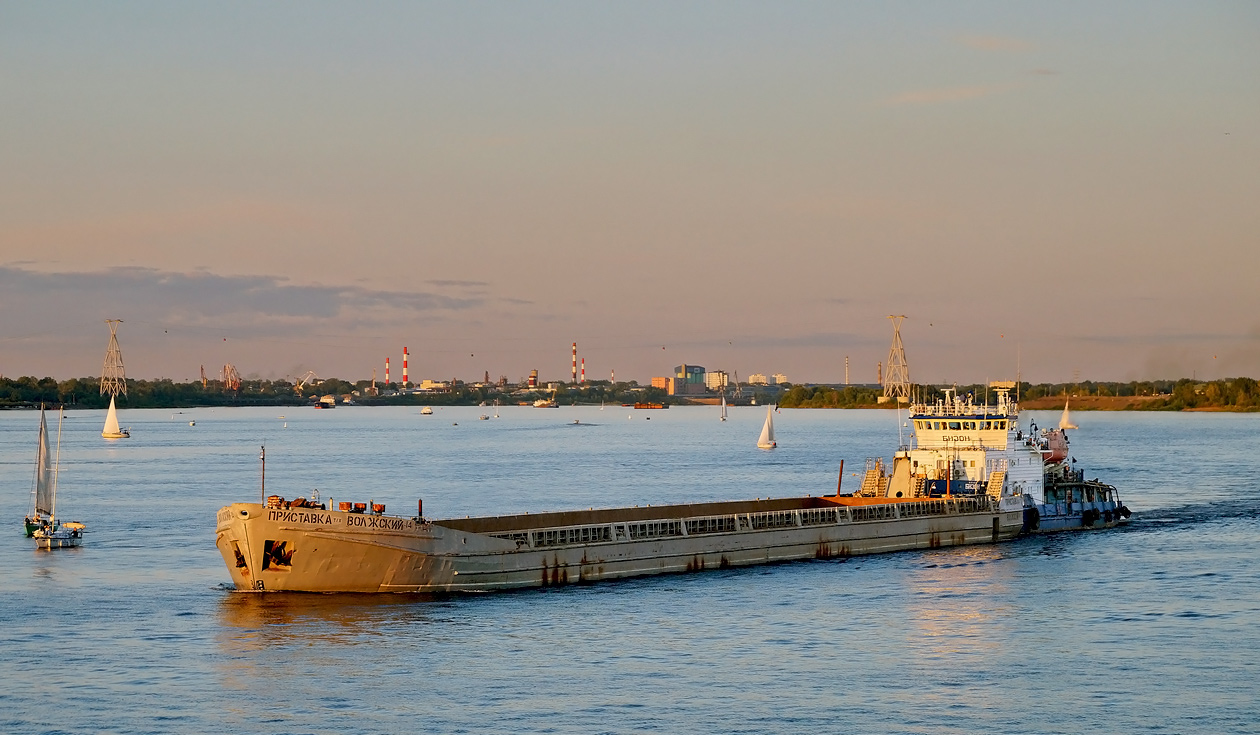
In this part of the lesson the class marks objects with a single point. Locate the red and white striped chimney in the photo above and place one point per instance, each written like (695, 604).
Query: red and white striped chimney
(575, 363)
(583, 371)
(387, 371)
(405, 381)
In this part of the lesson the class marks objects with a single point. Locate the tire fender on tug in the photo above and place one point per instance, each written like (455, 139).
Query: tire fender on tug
(1032, 519)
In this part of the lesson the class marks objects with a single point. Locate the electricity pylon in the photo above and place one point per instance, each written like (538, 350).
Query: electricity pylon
(897, 383)
(113, 379)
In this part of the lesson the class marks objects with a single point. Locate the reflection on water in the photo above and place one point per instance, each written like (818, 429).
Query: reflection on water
(278, 617)
(960, 618)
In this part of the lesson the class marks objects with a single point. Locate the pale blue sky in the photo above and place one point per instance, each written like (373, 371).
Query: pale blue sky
(752, 186)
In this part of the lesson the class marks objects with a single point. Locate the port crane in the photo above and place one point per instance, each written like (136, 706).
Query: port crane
(231, 378)
(309, 377)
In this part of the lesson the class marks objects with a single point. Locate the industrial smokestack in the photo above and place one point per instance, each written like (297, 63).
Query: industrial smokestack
(387, 371)
(406, 381)
(575, 363)
(583, 371)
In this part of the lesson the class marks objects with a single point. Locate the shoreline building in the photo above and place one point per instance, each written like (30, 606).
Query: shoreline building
(716, 380)
(688, 380)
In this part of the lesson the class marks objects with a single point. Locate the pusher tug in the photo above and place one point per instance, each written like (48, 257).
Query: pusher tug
(962, 445)
(302, 546)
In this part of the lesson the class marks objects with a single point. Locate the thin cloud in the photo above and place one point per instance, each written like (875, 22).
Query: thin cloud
(995, 43)
(944, 95)
(1162, 338)
(1044, 72)
(458, 284)
(257, 303)
(769, 341)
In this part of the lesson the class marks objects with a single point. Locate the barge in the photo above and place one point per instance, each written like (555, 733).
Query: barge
(312, 549)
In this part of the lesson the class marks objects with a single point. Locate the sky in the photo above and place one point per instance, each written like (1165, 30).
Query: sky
(1064, 190)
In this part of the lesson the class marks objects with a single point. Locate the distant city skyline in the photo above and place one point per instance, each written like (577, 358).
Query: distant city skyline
(1063, 190)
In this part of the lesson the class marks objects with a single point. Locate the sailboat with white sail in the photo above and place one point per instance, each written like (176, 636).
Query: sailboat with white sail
(112, 430)
(766, 441)
(42, 524)
(723, 415)
(1065, 421)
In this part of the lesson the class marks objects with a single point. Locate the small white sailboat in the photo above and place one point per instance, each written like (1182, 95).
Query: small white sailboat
(42, 524)
(1065, 421)
(723, 408)
(767, 431)
(111, 430)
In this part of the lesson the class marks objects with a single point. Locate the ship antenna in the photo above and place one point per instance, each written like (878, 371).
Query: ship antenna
(262, 458)
(901, 439)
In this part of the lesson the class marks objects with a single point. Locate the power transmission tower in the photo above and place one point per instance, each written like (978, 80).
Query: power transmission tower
(897, 383)
(113, 379)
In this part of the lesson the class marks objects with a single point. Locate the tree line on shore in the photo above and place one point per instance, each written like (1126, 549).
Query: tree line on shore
(30, 392)
(1234, 394)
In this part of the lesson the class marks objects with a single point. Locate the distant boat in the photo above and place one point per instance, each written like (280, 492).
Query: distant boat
(483, 417)
(1065, 421)
(767, 431)
(42, 523)
(111, 430)
(426, 411)
(723, 408)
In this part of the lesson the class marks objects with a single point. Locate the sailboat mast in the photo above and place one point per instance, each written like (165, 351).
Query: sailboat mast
(52, 511)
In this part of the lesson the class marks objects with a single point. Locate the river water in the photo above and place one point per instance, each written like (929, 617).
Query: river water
(1147, 629)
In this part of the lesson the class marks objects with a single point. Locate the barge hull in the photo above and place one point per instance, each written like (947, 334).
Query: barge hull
(326, 551)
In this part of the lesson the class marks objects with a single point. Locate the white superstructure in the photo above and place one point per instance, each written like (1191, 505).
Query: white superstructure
(959, 447)
(963, 448)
